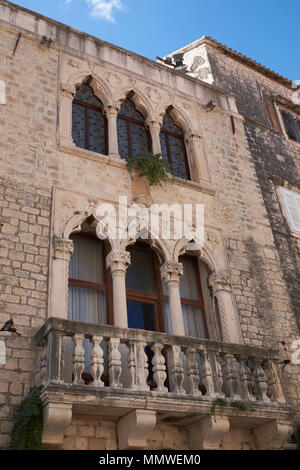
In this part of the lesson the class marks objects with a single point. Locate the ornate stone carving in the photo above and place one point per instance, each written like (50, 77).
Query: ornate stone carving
(134, 429)
(209, 432)
(114, 363)
(67, 90)
(261, 386)
(118, 260)
(272, 435)
(171, 271)
(207, 374)
(154, 95)
(192, 373)
(176, 370)
(231, 378)
(78, 359)
(113, 79)
(219, 281)
(159, 368)
(63, 248)
(138, 366)
(97, 362)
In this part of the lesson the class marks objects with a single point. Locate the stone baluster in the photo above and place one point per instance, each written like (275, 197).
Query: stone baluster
(138, 366)
(274, 384)
(111, 112)
(176, 371)
(218, 375)
(159, 368)
(231, 376)
(207, 374)
(97, 361)
(118, 261)
(245, 377)
(44, 363)
(38, 370)
(78, 359)
(261, 386)
(114, 363)
(172, 272)
(192, 373)
(55, 356)
(154, 125)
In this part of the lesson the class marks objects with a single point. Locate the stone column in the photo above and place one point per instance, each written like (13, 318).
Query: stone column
(154, 129)
(111, 112)
(63, 248)
(198, 161)
(118, 261)
(172, 272)
(219, 282)
(65, 115)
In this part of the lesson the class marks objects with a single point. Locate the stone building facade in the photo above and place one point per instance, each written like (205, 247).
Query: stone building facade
(121, 385)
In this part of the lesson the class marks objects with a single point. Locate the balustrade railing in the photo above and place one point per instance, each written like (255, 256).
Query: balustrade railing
(98, 356)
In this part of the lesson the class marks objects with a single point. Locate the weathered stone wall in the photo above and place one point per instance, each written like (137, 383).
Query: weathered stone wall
(273, 155)
(32, 163)
(24, 245)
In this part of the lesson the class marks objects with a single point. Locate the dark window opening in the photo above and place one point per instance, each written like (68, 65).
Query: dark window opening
(173, 147)
(89, 125)
(133, 137)
(292, 125)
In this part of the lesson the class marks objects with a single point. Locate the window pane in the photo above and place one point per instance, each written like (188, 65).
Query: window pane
(86, 263)
(141, 315)
(188, 282)
(140, 275)
(87, 305)
(169, 125)
(96, 131)
(139, 139)
(122, 138)
(193, 321)
(128, 109)
(177, 151)
(78, 125)
(85, 93)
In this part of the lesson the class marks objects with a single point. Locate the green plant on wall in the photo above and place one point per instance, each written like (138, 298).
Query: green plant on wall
(235, 404)
(28, 422)
(150, 166)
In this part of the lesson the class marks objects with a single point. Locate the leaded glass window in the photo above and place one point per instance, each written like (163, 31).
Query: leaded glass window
(173, 147)
(133, 137)
(89, 129)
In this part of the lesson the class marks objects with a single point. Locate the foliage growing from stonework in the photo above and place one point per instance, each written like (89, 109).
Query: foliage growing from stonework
(28, 422)
(153, 167)
(235, 404)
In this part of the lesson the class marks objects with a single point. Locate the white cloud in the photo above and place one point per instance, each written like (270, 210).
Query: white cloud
(103, 9)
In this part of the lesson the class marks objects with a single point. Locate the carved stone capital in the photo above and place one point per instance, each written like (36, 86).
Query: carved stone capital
(219, 281)
(209, 432)
(118, 261)
(171, 271)
(193, 136)
(68, 90)
(154, 122)
(112, 109)
(57, 417)
(272, 435)
(63, 248)
(134, 429)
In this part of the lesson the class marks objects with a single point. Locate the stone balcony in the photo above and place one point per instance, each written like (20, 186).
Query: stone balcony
(140, 378)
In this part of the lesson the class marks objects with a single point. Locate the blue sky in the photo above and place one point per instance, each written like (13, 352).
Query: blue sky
(265, 30)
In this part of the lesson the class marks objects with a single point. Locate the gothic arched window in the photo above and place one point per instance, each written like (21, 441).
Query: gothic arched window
(89, 127)
(173, 147)
(133, 137)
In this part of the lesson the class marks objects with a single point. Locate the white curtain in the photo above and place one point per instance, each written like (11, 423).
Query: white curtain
(85, 305)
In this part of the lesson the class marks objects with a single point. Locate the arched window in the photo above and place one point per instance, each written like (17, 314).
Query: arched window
(89, 281)
(144, 290)
(89, 127)
(133, 137)
(173, 147)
